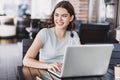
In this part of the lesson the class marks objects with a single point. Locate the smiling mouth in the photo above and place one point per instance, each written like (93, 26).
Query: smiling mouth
(60, 23)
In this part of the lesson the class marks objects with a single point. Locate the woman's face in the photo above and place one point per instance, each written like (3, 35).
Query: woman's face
(62, 18)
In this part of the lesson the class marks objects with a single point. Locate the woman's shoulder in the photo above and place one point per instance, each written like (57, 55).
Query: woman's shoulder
(43, 30)
(74, 32)
(46, 29)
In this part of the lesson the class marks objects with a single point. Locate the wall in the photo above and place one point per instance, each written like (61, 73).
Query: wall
(11, 7)
(81, 9)
(39, 9)
(86, 10)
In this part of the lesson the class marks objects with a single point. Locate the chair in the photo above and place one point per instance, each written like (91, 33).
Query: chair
(115, 57)
(94, 33)
(26, 44)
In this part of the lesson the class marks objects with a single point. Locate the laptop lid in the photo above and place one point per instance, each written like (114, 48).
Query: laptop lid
(86, 60)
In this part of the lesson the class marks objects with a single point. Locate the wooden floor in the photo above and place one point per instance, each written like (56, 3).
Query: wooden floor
(10, 58)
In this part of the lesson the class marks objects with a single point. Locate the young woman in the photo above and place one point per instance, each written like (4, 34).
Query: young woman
(52, 41)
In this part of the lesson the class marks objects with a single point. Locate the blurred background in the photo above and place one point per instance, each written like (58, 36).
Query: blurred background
(22, 19)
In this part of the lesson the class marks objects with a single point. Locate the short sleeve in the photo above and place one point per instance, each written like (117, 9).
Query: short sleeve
(42, 34)
(76, 37)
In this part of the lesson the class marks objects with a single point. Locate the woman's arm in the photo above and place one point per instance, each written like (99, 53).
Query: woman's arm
(78, 41)
(29, 59)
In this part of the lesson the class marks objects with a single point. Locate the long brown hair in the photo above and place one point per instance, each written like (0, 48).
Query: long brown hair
(68, 6)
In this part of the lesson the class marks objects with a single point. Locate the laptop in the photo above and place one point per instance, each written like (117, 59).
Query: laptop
(85, 60)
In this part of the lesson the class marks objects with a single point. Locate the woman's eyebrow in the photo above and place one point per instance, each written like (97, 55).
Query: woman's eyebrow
(61, 14)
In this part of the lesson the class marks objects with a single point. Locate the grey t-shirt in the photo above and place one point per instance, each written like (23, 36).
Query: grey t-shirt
(52, 49)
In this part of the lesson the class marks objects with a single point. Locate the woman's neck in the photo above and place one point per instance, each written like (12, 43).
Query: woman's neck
(60, 34)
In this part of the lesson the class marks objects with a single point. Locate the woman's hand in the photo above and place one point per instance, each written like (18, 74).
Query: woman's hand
(55, 66)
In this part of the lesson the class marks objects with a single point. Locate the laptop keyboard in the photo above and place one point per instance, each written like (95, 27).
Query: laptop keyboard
(54, 72)
(58, 73)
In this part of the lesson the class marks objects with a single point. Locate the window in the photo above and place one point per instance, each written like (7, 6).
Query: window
(42, 8)
(11, 7)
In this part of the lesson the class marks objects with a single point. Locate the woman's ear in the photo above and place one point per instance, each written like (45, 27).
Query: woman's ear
(72, 17)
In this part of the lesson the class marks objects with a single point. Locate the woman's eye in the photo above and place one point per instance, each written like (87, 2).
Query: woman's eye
(64, 15)
(56, 15)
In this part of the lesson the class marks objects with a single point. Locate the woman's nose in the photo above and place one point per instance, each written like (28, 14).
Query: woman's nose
(60, 18)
